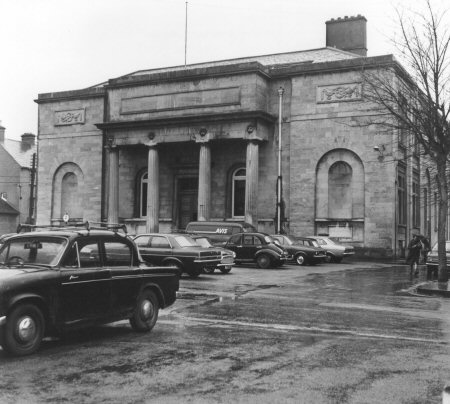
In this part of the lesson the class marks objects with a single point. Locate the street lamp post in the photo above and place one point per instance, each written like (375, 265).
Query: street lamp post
(279, 178)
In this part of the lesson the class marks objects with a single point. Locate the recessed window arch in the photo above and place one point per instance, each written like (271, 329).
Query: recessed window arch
(238, 192)
(67, 192)
(70, 203)
(340, 201)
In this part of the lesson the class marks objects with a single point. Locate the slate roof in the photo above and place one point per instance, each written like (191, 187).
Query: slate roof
(327, 54)
(7, 209)
(22, 155)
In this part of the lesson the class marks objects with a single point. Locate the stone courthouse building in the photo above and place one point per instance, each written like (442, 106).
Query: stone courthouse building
(158, 148)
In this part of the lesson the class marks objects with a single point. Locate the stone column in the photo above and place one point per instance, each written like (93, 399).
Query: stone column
(152, 225)
(204, 182)
(113, 185)
(251, 183)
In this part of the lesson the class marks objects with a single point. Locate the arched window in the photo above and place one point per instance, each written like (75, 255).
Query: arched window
(340, 199)
(238, 193)
(143, 186)
(70, 196)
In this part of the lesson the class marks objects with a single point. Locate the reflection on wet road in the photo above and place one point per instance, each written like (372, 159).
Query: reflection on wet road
(367, 302)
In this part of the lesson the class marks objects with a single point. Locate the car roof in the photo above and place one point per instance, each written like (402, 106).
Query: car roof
(163, 234)
(67, 233)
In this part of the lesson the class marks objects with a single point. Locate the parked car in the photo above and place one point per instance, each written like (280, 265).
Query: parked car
(300, 250)
(256, 247)
(335, 251)
(218, 232)
(3, 237)
(52, 281)
(179, 250)
(227, 261)
(432, 258)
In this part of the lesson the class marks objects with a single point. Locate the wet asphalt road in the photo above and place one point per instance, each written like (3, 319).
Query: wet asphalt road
(332, 333)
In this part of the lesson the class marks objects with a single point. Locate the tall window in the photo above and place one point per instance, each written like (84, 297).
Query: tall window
(143, 186)
(340, 201)
(435, 211)
(415, 201)
(238, 193)
(401, 200)
(426, 220)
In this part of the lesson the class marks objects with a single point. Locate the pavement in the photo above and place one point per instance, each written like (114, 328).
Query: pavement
(429, 287)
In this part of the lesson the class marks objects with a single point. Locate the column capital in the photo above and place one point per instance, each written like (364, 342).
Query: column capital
(202, 136)
(110, 143)
(251, 133)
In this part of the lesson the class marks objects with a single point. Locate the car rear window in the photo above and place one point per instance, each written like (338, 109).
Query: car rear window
(34, 250)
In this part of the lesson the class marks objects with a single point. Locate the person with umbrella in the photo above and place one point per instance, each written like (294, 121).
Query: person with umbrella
(414, 248)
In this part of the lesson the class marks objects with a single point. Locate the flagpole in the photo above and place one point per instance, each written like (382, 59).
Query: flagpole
(185, 36)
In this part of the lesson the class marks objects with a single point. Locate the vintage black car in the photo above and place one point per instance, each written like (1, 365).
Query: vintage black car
(55, 280)
(301, 250)
(256, 247)
(179, 250)
(227, 261)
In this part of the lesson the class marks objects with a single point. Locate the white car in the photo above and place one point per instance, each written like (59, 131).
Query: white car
(335, 250)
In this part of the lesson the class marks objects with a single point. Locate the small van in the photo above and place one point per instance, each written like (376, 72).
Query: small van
(218, 232)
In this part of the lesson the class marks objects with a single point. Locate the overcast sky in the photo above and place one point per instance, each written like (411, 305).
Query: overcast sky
(57, 45)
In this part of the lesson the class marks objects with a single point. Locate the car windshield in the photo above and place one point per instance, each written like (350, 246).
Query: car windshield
(447, 247)
(203, 241)
(185, 241)
(32, 250)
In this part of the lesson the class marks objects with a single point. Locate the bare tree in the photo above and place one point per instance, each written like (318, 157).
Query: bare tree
(413, 97)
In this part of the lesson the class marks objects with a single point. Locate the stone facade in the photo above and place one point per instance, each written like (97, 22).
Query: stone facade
(158, 148)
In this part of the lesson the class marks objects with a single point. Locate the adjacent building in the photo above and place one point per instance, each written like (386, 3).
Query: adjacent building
(17, 181)
(270, 140)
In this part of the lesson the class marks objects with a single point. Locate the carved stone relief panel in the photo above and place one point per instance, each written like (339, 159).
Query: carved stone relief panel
(339, 93)
(70, 117)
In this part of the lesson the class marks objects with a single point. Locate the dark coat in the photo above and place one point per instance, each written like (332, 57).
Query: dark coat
(414, 248)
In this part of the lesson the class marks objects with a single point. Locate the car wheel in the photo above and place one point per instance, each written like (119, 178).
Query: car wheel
(338, 259)
(207, 270)
(329, 258)
(300, 259)
(263, 261)
(225, 270)
(24, 330)
(195, 273)
(146, 311)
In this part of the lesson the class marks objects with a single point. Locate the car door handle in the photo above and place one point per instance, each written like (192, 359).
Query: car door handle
(73, 277)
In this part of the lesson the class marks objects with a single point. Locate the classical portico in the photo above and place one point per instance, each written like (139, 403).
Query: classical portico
(209, 138)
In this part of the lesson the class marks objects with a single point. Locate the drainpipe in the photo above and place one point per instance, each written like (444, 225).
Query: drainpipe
(279, 178)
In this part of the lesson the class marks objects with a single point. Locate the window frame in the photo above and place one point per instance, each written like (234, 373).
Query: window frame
(234, 179)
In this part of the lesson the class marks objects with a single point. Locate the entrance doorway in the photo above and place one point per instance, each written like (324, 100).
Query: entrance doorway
(187, 200)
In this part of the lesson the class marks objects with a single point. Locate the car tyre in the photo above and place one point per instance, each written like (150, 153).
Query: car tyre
(300, 259)
(146, 312)
(195, 273)
(225, 270)
(338, 259)
(24, 330)
(208, 270)
(263, 261)
(329, 258)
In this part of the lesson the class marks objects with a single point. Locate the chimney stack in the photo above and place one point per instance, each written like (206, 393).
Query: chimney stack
(28, 140)
(2, 133)
(348, 34)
